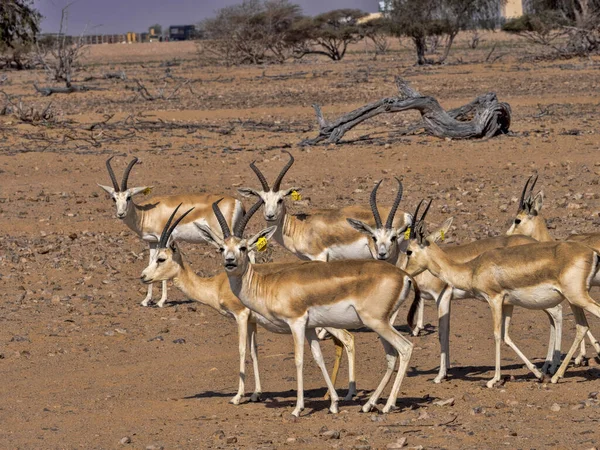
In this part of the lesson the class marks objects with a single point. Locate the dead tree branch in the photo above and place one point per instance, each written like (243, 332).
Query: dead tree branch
(484, 117)
(47, 91)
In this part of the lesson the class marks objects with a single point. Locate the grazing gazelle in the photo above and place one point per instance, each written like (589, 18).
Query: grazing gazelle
(529, 222)
(306, 295)
(323, 234)
(167, 264)
(534, 276)
(148, 219)
(385, 246)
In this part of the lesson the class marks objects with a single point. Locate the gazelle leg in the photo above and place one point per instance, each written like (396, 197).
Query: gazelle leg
(582, 356)
(507, 311)
(582, 328)
(404, 348)
(254, 355)
(391, 355)
(553, 357)
(347, 340)
(419, 326)
(163, 297)
(443, 307)
(315, 347)
(496, 306)
(152, 251)
(298, 328)
(594, 342)
(339, 351)
(242, 323)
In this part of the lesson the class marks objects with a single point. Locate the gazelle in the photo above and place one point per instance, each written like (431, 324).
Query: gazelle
(167, 264)
(529, 222)
(322, 235)
(306, 295)
(533, 276)
(148, 219)
(384, 245)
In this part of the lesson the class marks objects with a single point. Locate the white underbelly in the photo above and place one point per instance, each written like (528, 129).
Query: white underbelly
(535, 297)
(279, 327)
(356, 250)
(188, 232)
(337, 315)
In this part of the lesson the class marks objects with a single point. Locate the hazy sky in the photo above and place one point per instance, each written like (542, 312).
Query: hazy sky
(119, 16)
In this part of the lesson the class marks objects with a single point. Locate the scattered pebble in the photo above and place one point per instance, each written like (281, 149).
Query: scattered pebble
(555, 407)
(125, 440)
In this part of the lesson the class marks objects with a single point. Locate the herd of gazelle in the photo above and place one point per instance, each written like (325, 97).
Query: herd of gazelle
(357, 271)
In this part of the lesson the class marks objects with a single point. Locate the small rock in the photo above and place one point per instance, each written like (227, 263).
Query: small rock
(231, 440)
(577, 406)
(503, 208)
(20, 339)
(555, 407)
(55, 299)
(156, 338)
(423, 415)
(121, 330)
(219, 434)
(154, 447)
(593, 395)
(477, 410)
(447, 402)
(398, 444)
(125, 440)
(500, 405)
(330, 434)
(179, 341)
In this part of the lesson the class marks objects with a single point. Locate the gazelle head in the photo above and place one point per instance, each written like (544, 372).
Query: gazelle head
(418, 245)
(272, 197)
(383, 240)
(233, 247)
(122, 195)
(528, 220)
(167, 262)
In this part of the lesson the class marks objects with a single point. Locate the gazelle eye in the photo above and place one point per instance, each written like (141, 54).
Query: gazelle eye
(243, 249)
(128, 198)
(374, 238)
(221, 250)
(517, 221)
(114, 200)
(280, 201)
(393, 238)
(409, 252)
(161, 260)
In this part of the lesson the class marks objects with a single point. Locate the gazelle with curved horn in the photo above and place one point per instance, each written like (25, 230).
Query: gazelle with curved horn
(530, 222)
(322, 234)
(168, 264)
(147, 219)
(533, 276)
(306, 295)
(385, 246)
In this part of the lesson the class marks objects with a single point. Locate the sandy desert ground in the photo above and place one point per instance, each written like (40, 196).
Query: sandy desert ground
(83, 365)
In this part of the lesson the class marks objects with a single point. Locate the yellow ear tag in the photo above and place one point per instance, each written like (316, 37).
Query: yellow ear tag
(442, 235)
(296, 196)
(407, 234)
(261, 244)
(147, 191)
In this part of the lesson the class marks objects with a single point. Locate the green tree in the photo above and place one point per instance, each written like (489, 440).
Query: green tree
(19, 22)
(157, 29)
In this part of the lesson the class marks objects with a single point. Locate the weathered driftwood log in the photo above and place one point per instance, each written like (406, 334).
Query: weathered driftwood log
(46, 91)
(484, 117)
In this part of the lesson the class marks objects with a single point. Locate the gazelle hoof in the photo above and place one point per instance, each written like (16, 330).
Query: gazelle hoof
(439, 379)
(334, 409)
(145, 302)
(296, 412)
(367, 407)
(554, 379)
(387, 408)
(416, 332)
(236, 400)
(349, 396)
(490, 384)
(255, 397)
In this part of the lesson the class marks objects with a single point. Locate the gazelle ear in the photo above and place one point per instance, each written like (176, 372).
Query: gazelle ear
(248, 192)
(442, 232)
(361, 227)
(208, 235)
(538, 202)
(266, 233)
(290, 191)
(408, 221)
(108, 189)
(140, 190)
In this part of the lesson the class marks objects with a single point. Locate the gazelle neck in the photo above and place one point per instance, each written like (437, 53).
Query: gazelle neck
(203, 290)
(541, 232)
(455, 274)
(287, 226)
(247, 288)
(135, 218)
